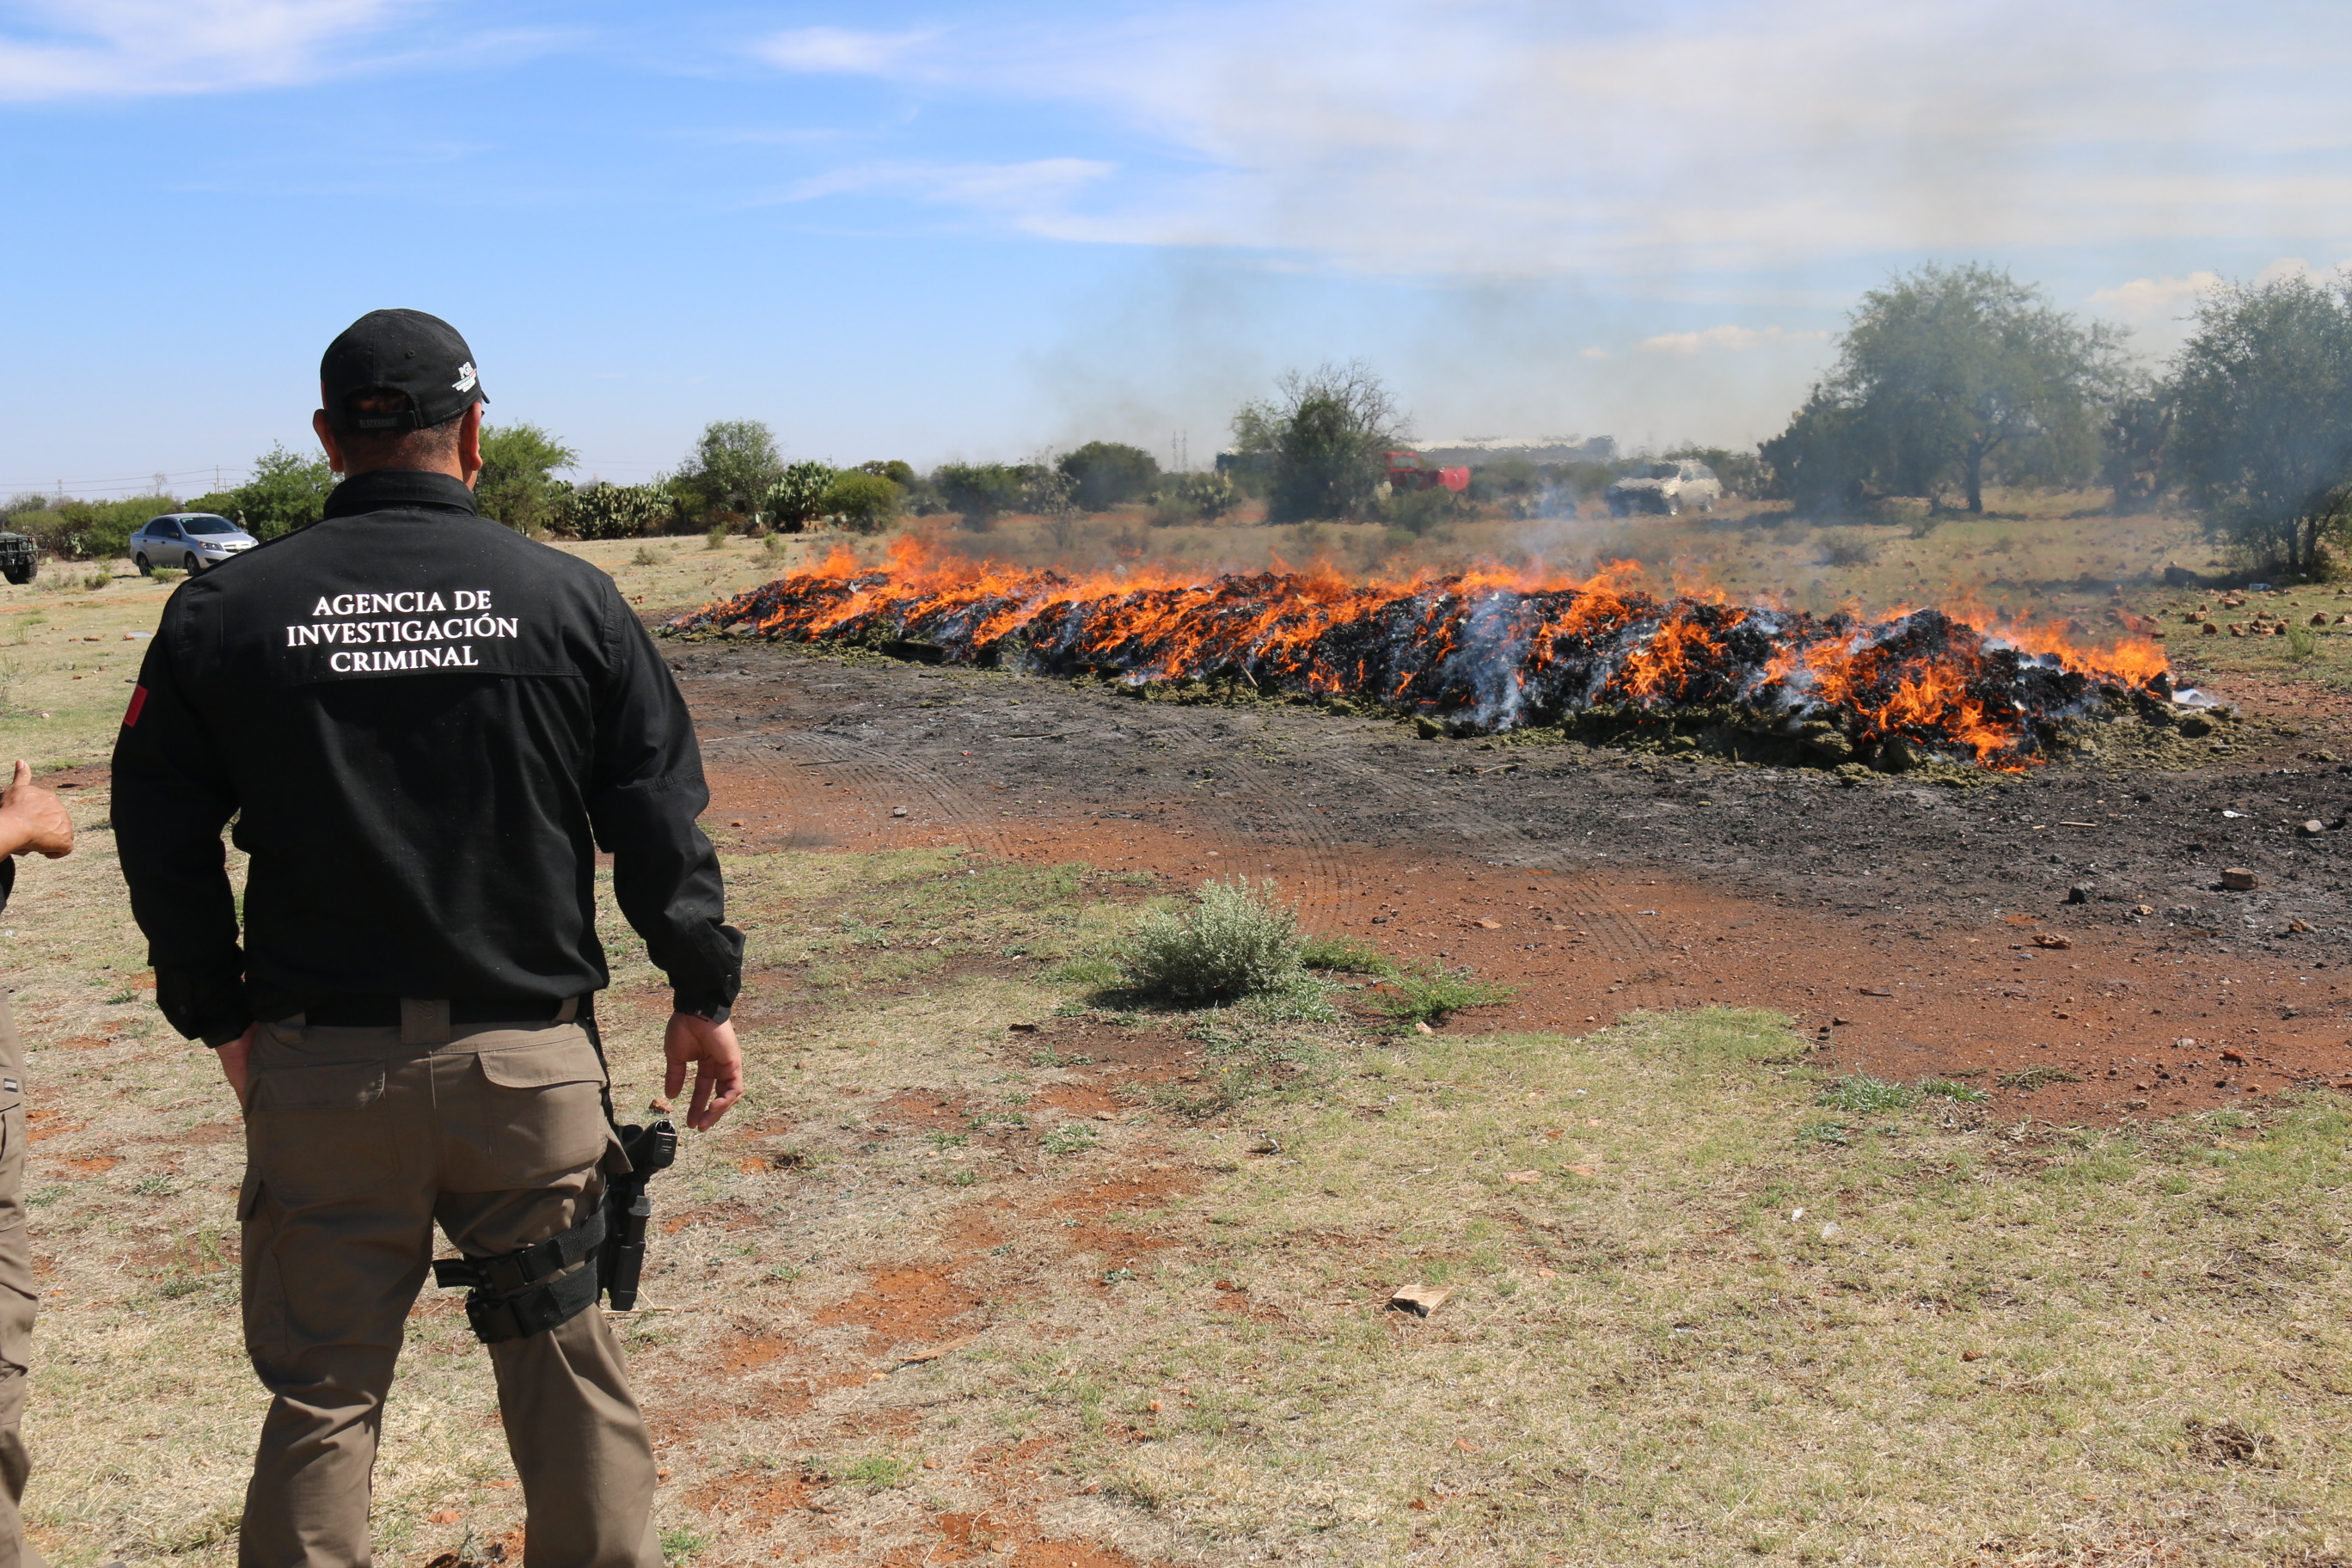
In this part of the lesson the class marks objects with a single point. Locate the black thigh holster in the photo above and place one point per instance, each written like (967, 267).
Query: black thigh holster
(531, 1289)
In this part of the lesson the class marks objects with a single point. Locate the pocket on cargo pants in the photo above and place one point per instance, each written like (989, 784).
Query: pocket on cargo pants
(539, 1111)
(317, 1128)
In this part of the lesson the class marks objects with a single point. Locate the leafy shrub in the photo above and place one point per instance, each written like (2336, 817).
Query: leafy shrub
(1847, 547)
(1194, 497)
(615, 511)
(864, 502)
(1234, 941)
(797, 496)
(981, 492)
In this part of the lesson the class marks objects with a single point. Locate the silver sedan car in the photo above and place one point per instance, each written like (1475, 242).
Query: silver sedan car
(192, 541)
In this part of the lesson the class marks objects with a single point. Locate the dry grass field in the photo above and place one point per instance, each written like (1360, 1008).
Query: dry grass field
(993, 1266)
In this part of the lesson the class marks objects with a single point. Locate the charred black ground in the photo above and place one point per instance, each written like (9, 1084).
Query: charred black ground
(1914, 855)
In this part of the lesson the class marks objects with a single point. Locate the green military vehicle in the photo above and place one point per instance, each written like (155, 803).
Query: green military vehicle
(17, 558)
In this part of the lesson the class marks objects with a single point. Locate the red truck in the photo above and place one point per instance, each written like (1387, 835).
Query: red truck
(1406, 473)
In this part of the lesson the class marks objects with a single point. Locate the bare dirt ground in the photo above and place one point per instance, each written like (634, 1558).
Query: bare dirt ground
(1914, 929)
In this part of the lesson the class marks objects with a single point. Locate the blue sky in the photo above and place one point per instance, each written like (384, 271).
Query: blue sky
(975, 230)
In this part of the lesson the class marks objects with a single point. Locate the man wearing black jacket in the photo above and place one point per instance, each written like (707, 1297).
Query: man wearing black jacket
(424, 726)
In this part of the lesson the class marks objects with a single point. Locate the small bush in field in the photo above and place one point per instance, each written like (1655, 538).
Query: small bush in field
(1233, 942)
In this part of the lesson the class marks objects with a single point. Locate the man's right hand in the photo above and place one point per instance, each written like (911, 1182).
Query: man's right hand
(718, 1062)
(33, 818)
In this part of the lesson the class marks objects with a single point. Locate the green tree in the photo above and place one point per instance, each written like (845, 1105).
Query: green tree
(287, 491)
(2262, 397)
(1821, 461)
(734, 464)
(864, 502)
(1957, 373)
(1321, 441)
(795, 497)
(981, 493)
(518, 486)
(1103, 474)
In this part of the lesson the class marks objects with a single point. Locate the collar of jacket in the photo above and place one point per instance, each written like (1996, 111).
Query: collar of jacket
(399, 489)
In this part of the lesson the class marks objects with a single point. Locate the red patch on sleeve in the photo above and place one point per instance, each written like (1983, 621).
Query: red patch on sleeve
(138, 701)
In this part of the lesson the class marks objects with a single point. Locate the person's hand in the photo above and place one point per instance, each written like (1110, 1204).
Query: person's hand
(717, 1063)
(33, 818)
(233, 1056)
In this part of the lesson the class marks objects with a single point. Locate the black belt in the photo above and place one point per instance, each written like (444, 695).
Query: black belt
(380, 1012)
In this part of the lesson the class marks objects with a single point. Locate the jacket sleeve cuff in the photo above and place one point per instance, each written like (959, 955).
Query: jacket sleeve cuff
(219, 1035)
(706, 1007)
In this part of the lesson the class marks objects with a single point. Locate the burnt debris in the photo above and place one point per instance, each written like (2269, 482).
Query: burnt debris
(1484, 653)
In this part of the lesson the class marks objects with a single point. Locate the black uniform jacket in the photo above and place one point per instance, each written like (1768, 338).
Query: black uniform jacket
(425, 725)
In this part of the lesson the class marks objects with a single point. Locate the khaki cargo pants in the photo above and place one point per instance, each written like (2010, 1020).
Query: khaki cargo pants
(16, 1298)
(358, 1140)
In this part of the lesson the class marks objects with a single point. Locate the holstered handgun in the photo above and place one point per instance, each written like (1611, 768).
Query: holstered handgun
(627, 1207)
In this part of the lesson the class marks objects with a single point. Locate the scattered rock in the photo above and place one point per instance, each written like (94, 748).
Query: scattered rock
(2143, 909)
(1831, 1231)
(2186, 1043)
(2053, 940)
(898, 810)
(1263, 1144)
(1418, 1299)
(2079, 893)
(2300, 928)
(1973, 1355)
(1421, 1028)
(1490, 925)
(2238, 880)
(1874, 991)
(658, 1106)
(2311, 828)
(2229, 1056)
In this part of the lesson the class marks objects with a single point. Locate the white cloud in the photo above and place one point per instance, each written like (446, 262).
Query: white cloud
(1031, 194)
(1725, 337)
(2154, 298)
(1523, 138)
(102, 49)
(1592, 354)
(840, 49)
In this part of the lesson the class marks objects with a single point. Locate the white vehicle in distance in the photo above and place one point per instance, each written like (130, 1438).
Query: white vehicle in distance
(1666, 487)
(192, 541)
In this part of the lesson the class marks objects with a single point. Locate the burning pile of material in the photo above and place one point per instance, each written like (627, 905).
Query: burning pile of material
(1490, 650)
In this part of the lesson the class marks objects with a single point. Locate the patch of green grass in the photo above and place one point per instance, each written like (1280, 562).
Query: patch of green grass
(1945, 1089)
(1069, 1138)
(875, 1472)
(1348, 954)
(678, 1543)
(1434, 995)
(1863, 1095)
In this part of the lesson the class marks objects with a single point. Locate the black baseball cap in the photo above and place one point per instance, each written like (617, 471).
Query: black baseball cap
(406, 350)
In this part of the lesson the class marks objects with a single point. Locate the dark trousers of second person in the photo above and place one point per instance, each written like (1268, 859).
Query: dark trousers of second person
(359, 1139)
